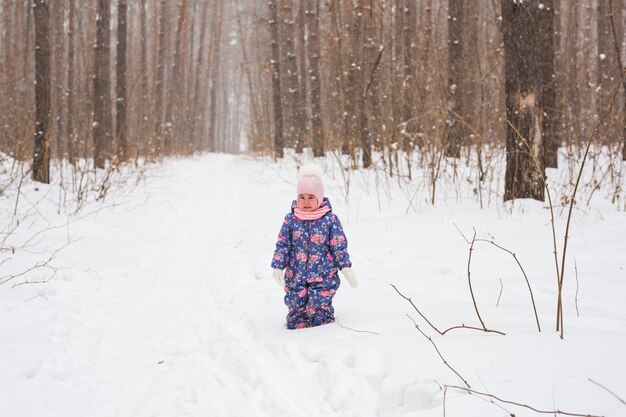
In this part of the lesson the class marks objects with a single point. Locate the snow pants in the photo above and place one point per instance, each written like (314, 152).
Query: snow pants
(310, 301)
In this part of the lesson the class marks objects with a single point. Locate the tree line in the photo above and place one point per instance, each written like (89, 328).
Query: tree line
(113, 80)
(387, 81)
(417, 77)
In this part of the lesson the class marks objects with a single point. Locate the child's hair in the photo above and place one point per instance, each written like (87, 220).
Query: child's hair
(311, 182)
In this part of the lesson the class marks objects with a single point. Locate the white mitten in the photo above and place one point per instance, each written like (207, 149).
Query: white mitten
(279, 276)
(349, 274)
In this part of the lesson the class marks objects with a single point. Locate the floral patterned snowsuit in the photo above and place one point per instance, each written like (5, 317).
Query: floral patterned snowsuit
(311, 251)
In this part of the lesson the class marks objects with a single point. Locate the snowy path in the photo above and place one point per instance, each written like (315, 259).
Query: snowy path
(166, 307)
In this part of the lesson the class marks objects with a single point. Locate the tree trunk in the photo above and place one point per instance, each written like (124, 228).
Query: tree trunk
(363, 20)
(548, 88)
(290, 75)
(275, 71)
(143, 70)
(71, 85)
(315, 89)
(41, 154)
(160, 79)
(524, 177)
(58, 33)
(301, 117)
(409, 39)
(121, 96)
(102, 123)
(216, 43)
(196, 114)
(456, 84)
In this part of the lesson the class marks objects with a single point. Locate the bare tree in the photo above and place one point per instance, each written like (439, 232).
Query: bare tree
(289, 74)
(276, 85)
(159, 93)
(102, 123)
(41, 155)
(121, 96)
(71, 84)
(315, 90)
(524, 176)
(301, 118)
(455, 136)
(548, 85)
(216, 43)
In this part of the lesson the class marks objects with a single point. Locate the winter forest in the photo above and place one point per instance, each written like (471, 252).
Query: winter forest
(475, 152)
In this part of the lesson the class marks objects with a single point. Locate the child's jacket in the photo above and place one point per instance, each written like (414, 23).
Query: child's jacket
(311, 250)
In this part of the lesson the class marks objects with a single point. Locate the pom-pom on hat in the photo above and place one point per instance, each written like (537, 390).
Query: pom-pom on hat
(311, 182)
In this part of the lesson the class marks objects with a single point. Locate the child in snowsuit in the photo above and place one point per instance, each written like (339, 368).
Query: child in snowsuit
(311, 248)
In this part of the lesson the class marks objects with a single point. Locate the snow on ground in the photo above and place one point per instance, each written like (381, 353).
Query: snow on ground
(163, 304)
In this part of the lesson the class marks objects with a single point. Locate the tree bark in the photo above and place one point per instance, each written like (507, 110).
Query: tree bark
(548, 87)
(216, 43)
(103, 123)
(121, 94)
(71, 85)
(301, 117)
(456, 84)
(524, 176)
(275, 71)
(41, 154)
(409, 38)
(159, 92)
(315, 90)
(290, 75)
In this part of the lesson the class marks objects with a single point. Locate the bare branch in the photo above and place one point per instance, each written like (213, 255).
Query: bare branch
(462, 326)
(536, 410)
(438, 352)
(607, 390)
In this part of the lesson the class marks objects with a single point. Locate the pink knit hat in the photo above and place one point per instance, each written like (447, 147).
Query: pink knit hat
(311, 183)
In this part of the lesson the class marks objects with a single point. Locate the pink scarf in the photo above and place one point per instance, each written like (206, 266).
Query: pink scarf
(310, 215)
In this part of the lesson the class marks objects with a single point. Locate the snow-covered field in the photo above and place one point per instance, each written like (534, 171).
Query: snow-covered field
(162, 303)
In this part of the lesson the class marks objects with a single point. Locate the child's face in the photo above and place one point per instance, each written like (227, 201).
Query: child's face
(307, 202)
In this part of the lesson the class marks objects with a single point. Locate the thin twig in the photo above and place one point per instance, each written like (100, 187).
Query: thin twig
(530, 290)
(556, 256)
(500, 295)
(576, 295)
(532, 298)
(573, 197)
(416, 309)
(438, 352)
(607, 390)
(354, 330)
(462, 326)
(536, 410)
(469, 279)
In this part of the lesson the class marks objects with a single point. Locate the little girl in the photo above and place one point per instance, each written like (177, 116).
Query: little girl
(311, 248)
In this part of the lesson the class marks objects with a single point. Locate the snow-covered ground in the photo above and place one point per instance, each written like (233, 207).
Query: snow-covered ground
(163, 303)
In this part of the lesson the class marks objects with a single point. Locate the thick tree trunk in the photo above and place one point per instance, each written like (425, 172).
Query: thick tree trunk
(41, 154)
(121, 96)
(102, 123)
(524, 177)
(315, 88)
(275, 71)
